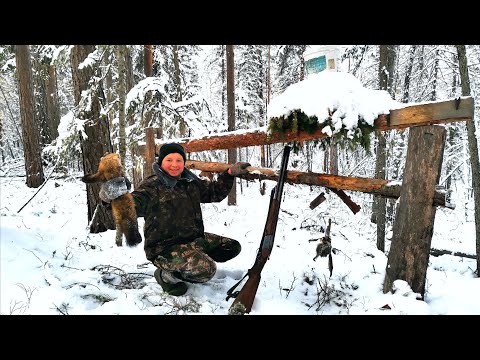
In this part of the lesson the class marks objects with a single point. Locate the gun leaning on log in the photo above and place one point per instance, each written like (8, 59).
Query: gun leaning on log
(244, 298)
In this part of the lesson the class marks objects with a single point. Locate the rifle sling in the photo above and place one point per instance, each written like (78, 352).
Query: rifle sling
(230, 292)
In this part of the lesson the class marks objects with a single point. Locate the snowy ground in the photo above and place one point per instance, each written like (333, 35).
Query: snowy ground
(50, 264)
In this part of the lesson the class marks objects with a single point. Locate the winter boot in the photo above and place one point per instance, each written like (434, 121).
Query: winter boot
(221, 248)
(174, 289)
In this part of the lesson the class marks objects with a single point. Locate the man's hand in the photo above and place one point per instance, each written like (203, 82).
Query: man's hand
(239, 168)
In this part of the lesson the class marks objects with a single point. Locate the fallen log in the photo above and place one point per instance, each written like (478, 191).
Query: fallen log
(416, 115)
(385, 188)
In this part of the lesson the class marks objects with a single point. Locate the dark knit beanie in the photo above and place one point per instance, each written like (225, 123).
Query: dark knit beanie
(169, 149)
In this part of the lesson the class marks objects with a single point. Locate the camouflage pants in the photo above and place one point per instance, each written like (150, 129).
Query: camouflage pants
(195, 262)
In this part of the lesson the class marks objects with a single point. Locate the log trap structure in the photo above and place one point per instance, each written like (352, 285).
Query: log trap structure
(418, 191)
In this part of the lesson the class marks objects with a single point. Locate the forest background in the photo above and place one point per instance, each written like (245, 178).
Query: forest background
(50, 93)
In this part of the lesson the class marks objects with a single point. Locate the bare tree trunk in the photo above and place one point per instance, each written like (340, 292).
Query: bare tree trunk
(232, 153)
(150, 153)
(472, 147)
(408, 74)
(97, 130)
(452, 134)
(148, 60)
(326, 161)
(53, 110)
(385, 75)
(261, 91)
(147, 116)
(47, 112)
(122, 147)
(148, 69)
(433, 94)
(31, 143)
(178, 84)
(137, 161)
(413, 227)
(333, 158)
(109, 91)
(262, 147)
(40, 95)
(224, 80)
(129, 81)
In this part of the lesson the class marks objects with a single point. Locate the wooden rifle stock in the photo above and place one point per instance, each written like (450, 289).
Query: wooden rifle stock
(244, 298)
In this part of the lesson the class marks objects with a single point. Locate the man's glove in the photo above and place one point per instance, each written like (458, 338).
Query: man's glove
(239, 168)
(114, 188)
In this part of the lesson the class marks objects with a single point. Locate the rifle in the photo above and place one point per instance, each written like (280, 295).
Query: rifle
(244, 298)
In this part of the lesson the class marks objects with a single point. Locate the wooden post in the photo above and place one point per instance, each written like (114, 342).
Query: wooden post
(413, 227)
(149, 151)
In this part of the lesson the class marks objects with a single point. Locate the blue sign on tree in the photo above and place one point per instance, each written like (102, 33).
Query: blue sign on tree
(316, 65)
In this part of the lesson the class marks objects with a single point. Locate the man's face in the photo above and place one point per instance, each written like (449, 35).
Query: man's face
(173, 164)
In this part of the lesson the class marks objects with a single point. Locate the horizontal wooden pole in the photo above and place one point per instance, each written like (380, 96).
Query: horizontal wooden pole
(432, 113)
(385, 188)
(415, 115)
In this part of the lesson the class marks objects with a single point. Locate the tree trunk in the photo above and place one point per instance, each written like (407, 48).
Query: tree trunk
(385, 76)
(263, 161)
(472, 147)
(97, 142)
(137, 162)
(178, 84)
(129, 81)
(453, 134)
(148, 69)
(109, 90)
(380, 205)
(53, 110)
(47, 108)
(40, 95)
(413, 227)
(146, 121)
(149, 157)
(333, 158)
(148, 60)
(232, 152)
(408, 74)
(30, 129)
(433, 93)
(122, 147)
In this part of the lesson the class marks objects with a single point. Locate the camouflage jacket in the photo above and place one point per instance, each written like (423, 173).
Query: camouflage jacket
(171, 207)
